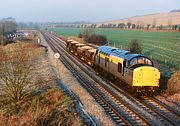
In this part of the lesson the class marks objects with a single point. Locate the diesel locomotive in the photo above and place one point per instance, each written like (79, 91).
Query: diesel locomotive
(134, 72)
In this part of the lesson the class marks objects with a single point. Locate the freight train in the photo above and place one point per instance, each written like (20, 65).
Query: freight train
(134, 72)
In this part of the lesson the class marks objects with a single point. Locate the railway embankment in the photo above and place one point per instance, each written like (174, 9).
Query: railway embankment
(173, 88)
(40, 101)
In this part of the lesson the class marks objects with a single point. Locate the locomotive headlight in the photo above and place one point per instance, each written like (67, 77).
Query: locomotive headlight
(139, 74)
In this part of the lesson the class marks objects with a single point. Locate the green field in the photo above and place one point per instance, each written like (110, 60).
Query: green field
(162, 47)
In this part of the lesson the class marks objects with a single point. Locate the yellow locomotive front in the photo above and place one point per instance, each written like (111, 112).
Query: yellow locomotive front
(146, 79)
(145, 76)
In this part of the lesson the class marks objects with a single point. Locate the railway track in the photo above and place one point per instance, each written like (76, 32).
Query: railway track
(163, 100)
(152, 109)
(105, 99)
(163, 110)
(123, 109)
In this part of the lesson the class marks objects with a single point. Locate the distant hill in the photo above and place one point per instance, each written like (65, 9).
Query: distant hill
(175, 10)
(158, 19)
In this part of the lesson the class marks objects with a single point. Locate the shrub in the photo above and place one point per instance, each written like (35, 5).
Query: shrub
(89, 36)
(17, 70)
(86, 34)
(173, 85)
(51, 107)
(97, 39)
(80, 35)
(135, 47)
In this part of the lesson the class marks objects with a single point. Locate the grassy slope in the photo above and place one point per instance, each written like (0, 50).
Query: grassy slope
(163, 47)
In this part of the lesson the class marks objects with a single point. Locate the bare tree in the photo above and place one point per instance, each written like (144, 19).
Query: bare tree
(2, 42)
(129, 25)
(121, 25)
(86, 34)
(170, 23)
(133, 26)
(148, 26)
(17, 69)
(154, 23)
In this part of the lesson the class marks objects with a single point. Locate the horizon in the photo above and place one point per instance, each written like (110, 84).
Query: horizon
(82, 11)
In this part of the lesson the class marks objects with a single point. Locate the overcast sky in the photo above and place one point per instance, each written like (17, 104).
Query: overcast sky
(82, 10)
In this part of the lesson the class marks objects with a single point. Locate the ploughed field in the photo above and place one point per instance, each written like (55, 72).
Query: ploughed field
(162, 47)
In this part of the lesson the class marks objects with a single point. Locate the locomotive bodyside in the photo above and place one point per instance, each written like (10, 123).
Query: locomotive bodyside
(135, 70)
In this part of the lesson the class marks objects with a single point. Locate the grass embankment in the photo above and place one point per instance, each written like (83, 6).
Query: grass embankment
(173, 88)
(37, 101)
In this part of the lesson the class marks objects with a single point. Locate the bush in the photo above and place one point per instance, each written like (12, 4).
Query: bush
(173, 85)
(135, 47)
(97, 39)
(17, 70)
(80, 35)
(89, 36)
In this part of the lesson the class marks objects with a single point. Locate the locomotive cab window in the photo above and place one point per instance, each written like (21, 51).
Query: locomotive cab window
(140, 60)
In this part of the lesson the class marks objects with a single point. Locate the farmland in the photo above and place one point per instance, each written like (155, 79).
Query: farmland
(162, 47)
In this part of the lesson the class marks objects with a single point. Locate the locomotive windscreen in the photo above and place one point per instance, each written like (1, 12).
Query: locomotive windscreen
(140, 60)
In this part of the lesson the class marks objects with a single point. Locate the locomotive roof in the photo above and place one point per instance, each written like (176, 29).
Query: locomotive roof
(117, 52)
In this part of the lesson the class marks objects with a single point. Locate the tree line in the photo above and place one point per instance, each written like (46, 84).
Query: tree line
(128, 25)
(7, 26)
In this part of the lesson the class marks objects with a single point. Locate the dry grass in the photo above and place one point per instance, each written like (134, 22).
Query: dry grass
(173, 86)
(52, 107)
(18, 70)
(44, 105)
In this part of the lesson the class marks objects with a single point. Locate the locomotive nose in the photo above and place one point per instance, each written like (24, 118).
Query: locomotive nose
(146, 76)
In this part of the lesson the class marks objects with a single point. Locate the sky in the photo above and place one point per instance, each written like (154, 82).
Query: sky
(81, 10)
